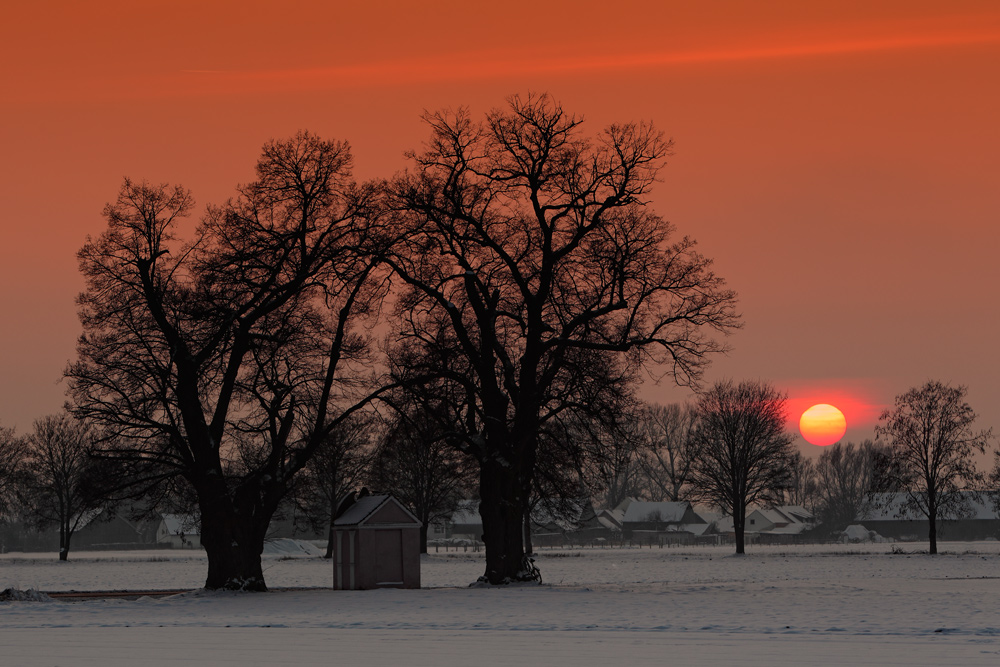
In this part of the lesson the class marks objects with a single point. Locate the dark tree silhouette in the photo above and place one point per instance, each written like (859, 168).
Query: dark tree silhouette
(339, 466)
(744, 453)
(930, 444)
(534, 244)
(670, 449)
(61, 484)
(846, 477)
(418, 462)
(13, 450)
(229, 360)
(613, 456)
(800, 488)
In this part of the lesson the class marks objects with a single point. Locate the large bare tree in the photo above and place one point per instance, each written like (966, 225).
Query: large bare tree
(745, 453)
(228, 360)
(536, 246)
(930, 444)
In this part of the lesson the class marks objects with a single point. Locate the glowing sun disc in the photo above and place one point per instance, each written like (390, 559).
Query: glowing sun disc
(822, 425)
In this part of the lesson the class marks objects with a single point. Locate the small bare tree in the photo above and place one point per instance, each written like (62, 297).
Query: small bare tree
(930, 444)
(337, 467)
(417, 461)
(745, 453)
(801, 487)
(670, 449)
(846, 476)
(60, 487)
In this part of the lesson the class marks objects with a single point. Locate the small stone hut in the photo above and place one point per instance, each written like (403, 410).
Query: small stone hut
(376, 545)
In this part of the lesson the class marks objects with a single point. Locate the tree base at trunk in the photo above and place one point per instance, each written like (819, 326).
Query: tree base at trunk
(235, 569)
(528, 573)
(248, 584)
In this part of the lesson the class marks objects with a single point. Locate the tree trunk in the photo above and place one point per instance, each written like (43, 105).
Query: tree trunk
(739, 530)
(932, 530)
(64, 539)
(501, 509)
(423, 538)
(233, 547)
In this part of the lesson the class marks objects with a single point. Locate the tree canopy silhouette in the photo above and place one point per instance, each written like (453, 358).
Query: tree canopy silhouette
(930, 444)
(744, 453)
(229, 359)
(536, 247)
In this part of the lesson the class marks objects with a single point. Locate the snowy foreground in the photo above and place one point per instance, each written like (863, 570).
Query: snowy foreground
(821, 605)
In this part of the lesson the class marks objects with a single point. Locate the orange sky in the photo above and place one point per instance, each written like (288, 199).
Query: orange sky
(840, 164)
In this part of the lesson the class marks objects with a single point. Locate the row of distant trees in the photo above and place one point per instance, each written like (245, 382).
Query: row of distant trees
(730, 450)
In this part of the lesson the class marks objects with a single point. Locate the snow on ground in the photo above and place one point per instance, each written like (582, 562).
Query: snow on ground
(861, 604)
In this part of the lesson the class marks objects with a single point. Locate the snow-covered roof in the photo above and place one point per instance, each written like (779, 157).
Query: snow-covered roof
(772, 515)
(782, 515)
(365, 507)
(611, 518)
(694, 528)
(667, 512)
(796, 512)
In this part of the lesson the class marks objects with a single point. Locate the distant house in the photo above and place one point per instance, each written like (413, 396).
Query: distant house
(765, 525)
(612, 519)
(660, 521)
(784, 520)
(567, 521)
(887, 516)
(99, 530)
(117, 531)
(464, 524)
(179, 531)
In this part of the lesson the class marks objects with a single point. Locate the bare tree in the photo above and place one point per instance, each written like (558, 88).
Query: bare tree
(418, 462)
(930, 442)
(846, 477)
(13, 451)
(60, 487)
(229, 360)
(616, 454)
(745, 452)
(339, 466)
(670, 449)
(801, 486)
(534, 243)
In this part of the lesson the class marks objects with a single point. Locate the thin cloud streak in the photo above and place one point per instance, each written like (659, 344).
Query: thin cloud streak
(466, 67)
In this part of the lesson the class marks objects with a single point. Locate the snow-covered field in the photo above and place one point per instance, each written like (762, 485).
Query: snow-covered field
(826, 605)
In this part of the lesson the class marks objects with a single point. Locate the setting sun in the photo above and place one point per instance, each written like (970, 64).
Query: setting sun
(822, 424)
